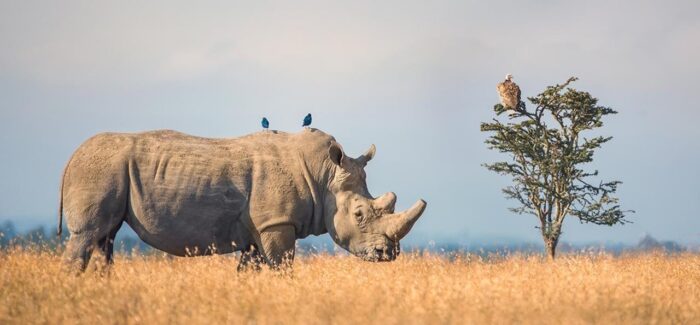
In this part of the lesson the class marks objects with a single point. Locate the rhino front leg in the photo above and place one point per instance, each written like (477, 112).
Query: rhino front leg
(250, 259)
(277, 244)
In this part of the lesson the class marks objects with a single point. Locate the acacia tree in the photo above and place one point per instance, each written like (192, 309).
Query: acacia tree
(547, 151)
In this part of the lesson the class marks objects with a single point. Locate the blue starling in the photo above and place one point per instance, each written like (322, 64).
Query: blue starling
(265, 123)
(307, 120)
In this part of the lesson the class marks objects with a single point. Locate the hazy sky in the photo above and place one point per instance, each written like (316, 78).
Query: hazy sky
(413, 77)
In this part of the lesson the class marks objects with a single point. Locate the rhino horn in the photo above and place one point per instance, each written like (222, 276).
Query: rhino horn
(386, 202)
(398, 224)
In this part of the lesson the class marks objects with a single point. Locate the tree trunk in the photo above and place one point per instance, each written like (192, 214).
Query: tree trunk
(550, 247)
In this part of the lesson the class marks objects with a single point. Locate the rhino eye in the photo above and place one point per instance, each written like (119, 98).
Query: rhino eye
(358, 213)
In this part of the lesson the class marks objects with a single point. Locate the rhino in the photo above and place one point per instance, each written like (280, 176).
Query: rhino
(188, 195)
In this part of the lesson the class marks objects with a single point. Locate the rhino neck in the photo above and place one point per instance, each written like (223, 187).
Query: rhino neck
(317, 184)
(311, 152)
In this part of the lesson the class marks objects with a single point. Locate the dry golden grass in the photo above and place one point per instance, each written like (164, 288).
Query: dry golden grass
(651, 288)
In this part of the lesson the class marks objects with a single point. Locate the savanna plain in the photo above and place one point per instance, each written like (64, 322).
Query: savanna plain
(417, 288)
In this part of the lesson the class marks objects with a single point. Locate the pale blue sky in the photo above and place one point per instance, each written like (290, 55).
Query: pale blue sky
(413, 77)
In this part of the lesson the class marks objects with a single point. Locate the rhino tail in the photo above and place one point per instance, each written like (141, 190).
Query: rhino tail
(59, 230)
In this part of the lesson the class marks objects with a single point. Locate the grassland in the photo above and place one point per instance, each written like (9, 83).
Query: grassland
(575, 289)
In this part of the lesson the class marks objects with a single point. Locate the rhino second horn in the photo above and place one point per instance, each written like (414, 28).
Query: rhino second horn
(386, 202)
(399, 224)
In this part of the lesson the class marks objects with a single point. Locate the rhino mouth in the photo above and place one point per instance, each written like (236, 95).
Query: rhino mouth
(386, 254)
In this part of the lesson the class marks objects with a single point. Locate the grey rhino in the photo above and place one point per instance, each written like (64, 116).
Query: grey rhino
(189, 195)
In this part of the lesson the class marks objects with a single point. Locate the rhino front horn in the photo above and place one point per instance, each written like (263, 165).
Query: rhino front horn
(399, 224)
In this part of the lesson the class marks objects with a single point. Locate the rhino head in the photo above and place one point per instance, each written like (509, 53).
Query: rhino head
(366, 226)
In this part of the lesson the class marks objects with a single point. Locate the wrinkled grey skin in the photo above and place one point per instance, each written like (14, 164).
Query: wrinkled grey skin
(188, 195)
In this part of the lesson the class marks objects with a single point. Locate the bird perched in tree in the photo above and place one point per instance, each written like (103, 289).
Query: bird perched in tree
(307, 120)
(510, 94)
(265, 123)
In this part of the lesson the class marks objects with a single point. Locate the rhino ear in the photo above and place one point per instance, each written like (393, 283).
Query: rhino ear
(336, 154)
(367, 156)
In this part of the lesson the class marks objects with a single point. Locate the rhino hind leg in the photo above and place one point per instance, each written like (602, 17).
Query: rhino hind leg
(105, 248)
(78, 251)
(83, 241)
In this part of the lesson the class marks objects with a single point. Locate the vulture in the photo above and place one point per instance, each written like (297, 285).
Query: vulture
(510, 94)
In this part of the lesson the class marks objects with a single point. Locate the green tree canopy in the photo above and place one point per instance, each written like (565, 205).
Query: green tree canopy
(548, 152)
